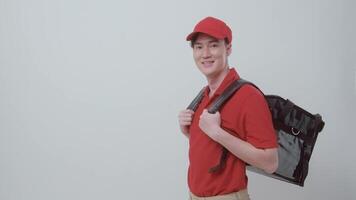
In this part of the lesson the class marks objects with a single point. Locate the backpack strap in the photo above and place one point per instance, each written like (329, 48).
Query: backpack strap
(196, 101)
(227, 93)
(214, 107)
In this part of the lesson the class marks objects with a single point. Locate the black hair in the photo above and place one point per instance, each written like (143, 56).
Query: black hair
(194, 39)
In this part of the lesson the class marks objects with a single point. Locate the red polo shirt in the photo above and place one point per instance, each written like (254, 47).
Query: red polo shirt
(246, 116)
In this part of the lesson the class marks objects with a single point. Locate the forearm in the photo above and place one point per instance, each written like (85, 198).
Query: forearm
(266, 159)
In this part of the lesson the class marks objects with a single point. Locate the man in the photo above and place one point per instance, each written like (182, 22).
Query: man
(243, 126)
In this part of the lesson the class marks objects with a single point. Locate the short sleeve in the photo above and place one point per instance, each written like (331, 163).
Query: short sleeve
(257, 121)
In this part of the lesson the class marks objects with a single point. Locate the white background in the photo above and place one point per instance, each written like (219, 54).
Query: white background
(90, 92)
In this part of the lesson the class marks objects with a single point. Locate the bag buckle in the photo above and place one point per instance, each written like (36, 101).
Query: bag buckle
(295, 131)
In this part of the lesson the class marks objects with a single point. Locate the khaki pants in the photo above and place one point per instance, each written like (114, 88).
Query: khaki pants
(240, 195)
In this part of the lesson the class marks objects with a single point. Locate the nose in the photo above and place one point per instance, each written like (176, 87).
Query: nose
(206, 52)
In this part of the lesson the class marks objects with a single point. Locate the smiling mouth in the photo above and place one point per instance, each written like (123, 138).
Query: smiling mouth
(208, 63)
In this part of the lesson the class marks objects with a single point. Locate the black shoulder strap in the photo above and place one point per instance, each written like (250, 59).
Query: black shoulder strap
(196, 101)
(227, 93)
(215, 106)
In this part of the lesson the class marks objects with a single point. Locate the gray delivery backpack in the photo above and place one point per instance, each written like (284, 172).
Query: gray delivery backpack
(296, 129)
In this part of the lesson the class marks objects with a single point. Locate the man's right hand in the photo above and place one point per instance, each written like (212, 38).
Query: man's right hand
(185, 118)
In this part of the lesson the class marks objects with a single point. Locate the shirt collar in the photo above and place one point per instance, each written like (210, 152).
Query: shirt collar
(229, 78)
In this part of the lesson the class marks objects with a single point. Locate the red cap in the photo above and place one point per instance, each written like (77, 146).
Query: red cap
(213, 27)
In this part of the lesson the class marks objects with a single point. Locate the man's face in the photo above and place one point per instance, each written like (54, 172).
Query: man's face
(210, 54)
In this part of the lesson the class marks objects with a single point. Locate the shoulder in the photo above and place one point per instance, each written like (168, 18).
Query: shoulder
(248, 92)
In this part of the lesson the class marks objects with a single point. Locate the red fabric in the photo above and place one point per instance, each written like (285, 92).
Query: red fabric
(213, 27)
(245, 115)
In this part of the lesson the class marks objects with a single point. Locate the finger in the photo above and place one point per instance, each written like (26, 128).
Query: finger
(190, 111)
(186, 112)
(187, 119)
(185, 123)
(183, 111)
(217, 113)
(190, 117)
(205, 112)
(183, 114)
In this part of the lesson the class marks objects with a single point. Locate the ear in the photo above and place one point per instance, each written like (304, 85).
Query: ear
(228, 49)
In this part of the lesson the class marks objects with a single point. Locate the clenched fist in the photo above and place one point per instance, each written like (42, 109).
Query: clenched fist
(210, 123)
(185, 118)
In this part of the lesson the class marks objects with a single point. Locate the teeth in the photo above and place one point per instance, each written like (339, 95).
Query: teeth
(208, 63)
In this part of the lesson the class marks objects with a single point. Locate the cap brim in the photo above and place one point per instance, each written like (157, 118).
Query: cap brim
(193, 34)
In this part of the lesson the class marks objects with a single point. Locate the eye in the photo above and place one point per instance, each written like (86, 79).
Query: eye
(198, 47)
(214, 45)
